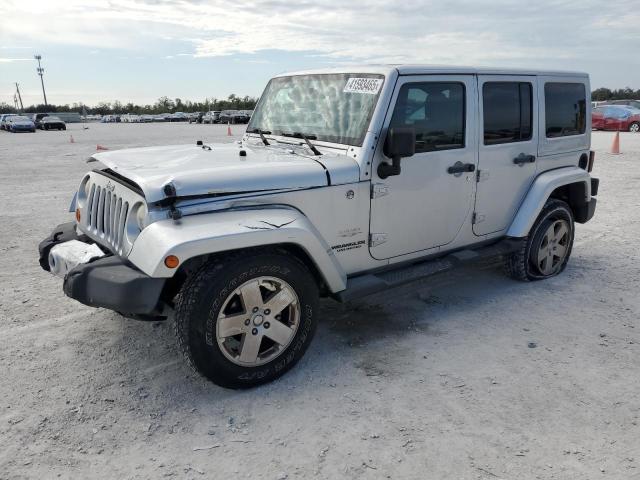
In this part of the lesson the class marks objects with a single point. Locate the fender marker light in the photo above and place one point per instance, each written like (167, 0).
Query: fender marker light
(78, 216)
(171, 261)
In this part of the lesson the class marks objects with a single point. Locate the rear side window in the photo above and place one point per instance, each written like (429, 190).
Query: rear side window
(508, 113)
(436, 111)
(565, 109)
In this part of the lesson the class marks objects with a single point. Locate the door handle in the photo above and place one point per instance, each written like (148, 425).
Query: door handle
(459, 168)
(522, 159)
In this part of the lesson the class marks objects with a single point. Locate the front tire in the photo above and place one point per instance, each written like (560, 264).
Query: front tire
(546, 250)
(245, 320)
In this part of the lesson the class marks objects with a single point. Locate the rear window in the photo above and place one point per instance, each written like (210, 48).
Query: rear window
(565, 109)
(507, 112)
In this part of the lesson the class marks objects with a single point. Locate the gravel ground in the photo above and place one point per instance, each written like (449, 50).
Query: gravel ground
(468, 375)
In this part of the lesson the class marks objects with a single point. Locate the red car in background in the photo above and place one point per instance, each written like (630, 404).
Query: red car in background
(615, 117)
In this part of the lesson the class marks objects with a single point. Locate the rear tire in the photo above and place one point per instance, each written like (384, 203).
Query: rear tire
(634, 127)
(546, 250)
(227, 331)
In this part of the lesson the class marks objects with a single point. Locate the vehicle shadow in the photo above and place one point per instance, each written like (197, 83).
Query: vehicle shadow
(146, 360)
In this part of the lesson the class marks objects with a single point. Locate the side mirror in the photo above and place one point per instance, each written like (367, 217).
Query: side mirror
(400, 142)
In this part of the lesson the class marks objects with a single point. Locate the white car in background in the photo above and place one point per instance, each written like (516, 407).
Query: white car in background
(4, 118)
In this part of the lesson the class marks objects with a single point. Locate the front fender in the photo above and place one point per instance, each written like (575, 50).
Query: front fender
(539, 193)
(197, 235)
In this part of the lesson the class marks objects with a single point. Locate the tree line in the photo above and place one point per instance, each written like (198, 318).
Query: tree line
(233, 102)
(162, 105)
(604, 94)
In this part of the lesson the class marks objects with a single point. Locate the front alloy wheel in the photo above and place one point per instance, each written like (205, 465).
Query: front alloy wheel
(258, 321)
(247, 318)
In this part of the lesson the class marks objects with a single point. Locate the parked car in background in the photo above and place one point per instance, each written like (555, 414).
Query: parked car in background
(177, 117)
(195, 117)
(37, 117)
(129, 118)
(628, 103)
(233, 116)
(212, 116)
(51, 123)
(615, 117)
(19, 123)
(4, 118)
(146, 118)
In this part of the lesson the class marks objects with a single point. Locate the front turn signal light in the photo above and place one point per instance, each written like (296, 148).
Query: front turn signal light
(171, 261)
(78, 215)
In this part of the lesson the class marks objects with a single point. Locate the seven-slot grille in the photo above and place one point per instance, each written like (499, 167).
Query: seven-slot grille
(107, 207)
(107, 215)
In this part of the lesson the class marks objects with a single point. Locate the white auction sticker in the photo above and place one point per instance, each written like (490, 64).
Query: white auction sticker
(363, 85)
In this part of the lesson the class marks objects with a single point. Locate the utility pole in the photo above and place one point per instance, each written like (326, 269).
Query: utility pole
(19, 96)
(41, 72)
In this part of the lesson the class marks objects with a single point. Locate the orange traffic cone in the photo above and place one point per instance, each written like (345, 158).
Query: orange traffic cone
(100, 147)
(71, 140)
(229, 130)
(615, 147)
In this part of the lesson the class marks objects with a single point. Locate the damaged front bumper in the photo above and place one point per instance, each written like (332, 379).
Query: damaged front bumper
(108, 281)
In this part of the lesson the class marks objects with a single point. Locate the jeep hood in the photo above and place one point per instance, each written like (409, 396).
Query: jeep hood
(198, 171)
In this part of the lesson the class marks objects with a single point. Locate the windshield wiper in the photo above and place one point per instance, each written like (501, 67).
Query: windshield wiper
(306, 138)
(261, 133)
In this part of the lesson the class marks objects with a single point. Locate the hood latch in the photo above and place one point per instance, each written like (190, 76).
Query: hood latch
(170, 199)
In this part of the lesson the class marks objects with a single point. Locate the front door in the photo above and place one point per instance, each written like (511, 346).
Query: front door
(508, 149)
(426, 205)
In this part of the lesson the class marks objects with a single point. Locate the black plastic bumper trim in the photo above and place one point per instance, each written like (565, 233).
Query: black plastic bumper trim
(595, 183)
(585, 213)
(109, 282)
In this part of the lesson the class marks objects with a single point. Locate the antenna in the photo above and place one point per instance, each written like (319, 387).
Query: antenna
(40, 71)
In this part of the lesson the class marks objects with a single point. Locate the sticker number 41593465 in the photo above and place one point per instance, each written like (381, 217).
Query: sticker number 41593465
(363, 85)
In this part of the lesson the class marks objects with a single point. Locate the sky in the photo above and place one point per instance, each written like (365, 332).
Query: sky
(139, 50)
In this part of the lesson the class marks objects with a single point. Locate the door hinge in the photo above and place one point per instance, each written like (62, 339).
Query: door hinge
(379, 190)
(481, 175)
(376, 239)
(477, 218)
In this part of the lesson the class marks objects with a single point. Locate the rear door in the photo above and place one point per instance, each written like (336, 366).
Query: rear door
(508, 146)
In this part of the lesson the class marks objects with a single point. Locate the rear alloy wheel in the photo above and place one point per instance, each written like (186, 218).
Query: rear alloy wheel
(546, 251)
(247, 319)
(634, 127)
(553, 245)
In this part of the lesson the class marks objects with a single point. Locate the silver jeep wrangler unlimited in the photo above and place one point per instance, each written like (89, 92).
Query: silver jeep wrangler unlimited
(347, 182)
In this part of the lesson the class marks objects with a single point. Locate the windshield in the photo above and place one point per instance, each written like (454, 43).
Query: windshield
(20, 119)
(332, 108)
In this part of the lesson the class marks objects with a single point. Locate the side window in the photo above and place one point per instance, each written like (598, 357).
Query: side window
(508, 112)
(565, 109)
(436, 111)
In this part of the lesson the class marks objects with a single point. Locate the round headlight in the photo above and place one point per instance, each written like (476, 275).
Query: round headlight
(141, 216)
(83, 191)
